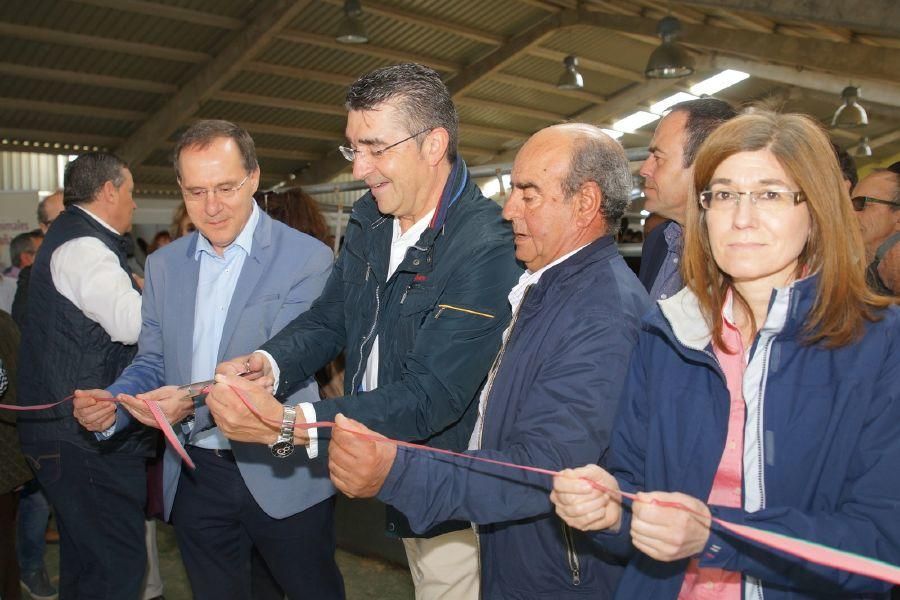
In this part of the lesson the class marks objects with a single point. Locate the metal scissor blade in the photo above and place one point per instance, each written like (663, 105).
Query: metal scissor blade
(197, 388)
(202, 387)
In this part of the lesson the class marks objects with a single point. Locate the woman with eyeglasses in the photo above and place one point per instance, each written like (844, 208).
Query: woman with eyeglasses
(766, 393)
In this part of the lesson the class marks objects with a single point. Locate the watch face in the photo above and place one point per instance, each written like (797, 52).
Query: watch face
(282, 449)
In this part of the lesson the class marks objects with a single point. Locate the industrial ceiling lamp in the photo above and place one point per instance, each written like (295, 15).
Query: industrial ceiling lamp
(670, 59)
(352, 30)
(850, 113)
(863, 149)
(571, 79)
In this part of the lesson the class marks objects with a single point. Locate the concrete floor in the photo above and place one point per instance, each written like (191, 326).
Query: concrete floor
(364, 578)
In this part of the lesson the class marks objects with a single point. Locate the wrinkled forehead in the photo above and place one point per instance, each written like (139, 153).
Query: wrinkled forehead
(882, 185)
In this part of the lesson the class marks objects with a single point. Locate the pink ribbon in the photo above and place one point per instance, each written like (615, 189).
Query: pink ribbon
(810, 551)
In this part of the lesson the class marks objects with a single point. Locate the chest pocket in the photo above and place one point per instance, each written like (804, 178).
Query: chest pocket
(417, 301)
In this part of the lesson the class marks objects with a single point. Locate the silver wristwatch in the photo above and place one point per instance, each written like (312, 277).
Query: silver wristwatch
(284, 445)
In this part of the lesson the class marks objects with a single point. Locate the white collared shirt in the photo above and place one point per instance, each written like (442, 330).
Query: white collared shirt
(88, 274)
(400, 243)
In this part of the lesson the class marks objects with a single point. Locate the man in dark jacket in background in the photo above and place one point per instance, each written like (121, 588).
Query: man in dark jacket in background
(552, 393)
(667, 176)
(417, 299)
(82, 323)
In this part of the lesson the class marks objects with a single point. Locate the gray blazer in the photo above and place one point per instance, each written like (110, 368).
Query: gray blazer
(285, 271)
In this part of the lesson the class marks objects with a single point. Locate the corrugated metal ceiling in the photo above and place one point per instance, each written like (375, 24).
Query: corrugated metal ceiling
(123, 62)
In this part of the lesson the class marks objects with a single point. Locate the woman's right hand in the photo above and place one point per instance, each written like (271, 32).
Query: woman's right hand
(582, 505)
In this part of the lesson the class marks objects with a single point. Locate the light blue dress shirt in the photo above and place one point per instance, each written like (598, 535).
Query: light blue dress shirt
(668, 281)
(215, 286)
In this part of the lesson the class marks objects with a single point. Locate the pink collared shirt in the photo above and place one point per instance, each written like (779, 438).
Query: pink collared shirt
(719, 584)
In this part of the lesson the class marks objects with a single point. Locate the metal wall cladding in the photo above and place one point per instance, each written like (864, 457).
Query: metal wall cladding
(29, 171)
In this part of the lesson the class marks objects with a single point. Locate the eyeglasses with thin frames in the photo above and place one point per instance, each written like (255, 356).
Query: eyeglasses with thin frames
(220, 191)
(352, 154)
(768, 200)
(859, 202)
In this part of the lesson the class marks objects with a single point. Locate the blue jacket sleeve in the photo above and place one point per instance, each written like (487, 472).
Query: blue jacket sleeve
(627, 456)
(565, 421)
(865, 523)
(146, 371)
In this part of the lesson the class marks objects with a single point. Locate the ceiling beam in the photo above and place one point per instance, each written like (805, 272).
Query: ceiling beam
(62, 137)
(324, 41)
(884, 140)
(585, 63)
(544, 86)
(492, 131)
(243, 46)
(56, 36)
(174, 13)
(415, 18)
(853, 60)
(882, 16)
(78, 77)
(465, 79)
(299, 73)
(299, 155)
(277, 102)
(634, 97)
(74, 110)
(882, 92)
(295, 132)
(505, 107)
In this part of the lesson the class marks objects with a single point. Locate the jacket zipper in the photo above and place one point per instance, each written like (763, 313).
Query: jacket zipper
(496, 366)
(571, 555)
(365, 340)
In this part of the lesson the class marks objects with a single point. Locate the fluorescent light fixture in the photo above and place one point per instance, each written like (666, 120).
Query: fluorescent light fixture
(613, 133)
(634, 121)
(719, 82)
(661, 106)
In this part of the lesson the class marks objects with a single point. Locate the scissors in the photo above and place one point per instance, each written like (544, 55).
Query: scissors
(198, 388)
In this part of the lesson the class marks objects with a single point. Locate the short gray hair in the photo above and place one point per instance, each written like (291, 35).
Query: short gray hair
(86, 175)
(598, 158)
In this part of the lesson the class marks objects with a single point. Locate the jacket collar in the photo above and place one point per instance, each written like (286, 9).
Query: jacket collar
(680, 318)
(366, 209)
(602, 249)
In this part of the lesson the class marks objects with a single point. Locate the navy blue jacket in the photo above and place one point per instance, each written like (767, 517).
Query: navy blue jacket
(439, 319)
(829, 425)
(551, 405)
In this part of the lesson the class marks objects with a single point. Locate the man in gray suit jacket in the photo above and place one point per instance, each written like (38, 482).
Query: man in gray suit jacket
(218, 293)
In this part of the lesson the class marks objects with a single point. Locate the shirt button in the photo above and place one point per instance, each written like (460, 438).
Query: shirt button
(709, 585)
(732, 445)
(663, 296)
(737, 491)
(675, 260)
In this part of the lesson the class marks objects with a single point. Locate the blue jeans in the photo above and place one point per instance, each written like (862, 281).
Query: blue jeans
(34, 511)
(98, 500)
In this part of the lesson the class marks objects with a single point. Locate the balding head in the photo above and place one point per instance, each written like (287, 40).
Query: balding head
(571, 185)
(48, 209)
